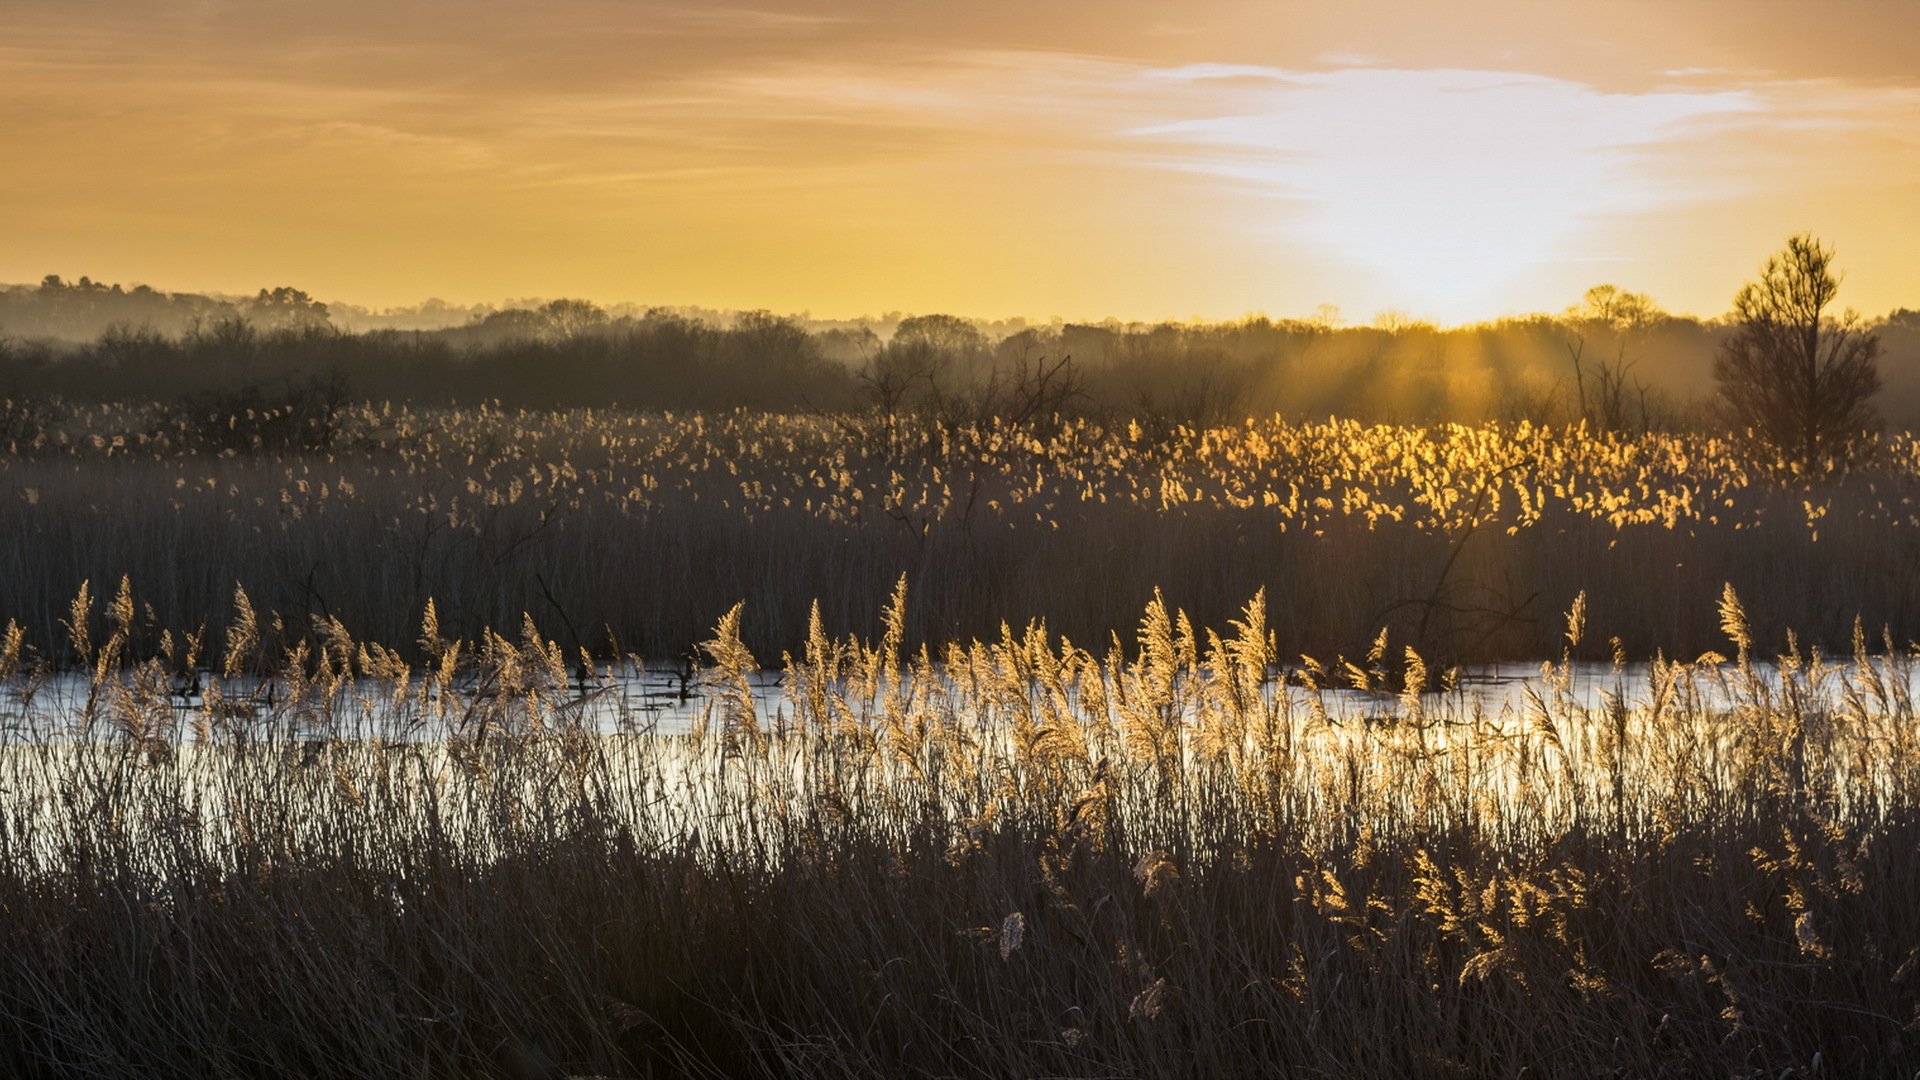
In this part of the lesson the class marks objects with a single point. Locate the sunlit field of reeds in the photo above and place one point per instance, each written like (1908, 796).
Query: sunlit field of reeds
(634, 532)
(1008, 857)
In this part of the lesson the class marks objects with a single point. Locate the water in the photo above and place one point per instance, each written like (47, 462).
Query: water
(634, 699)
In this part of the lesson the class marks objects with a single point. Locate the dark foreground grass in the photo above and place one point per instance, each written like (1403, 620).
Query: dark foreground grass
(1013, 858)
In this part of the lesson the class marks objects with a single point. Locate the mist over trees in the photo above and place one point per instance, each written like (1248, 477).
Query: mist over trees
(1612, 360)
(63, 311)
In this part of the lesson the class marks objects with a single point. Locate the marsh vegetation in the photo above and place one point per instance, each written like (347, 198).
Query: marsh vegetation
(634, 532)
(1010, 857)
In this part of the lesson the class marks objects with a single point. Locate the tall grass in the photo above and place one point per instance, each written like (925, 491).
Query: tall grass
(1015, 856)
(636, 532)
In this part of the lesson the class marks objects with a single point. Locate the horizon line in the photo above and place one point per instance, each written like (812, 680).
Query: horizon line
(1328, 315)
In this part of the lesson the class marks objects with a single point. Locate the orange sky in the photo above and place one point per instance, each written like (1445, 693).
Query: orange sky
(1037, 158)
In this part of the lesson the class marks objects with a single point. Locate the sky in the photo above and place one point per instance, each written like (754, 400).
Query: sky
(1038, 158)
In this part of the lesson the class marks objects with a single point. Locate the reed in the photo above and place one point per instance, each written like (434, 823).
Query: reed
(1007, 856)
(635, 532)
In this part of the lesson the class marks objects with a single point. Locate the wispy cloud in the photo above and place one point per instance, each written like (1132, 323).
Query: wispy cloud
(1196, 167)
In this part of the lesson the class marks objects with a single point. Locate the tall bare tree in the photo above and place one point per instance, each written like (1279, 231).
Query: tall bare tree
(1796, 379)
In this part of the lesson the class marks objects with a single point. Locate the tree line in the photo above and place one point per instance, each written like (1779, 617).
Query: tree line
(1782, 366)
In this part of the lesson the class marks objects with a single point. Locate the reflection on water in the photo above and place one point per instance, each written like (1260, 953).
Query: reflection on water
(635, 699)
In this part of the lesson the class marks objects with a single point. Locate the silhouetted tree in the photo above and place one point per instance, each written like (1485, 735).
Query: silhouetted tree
(285, 308)
(768, 360)
(933, 363)
(1794, 378)
(513, 323)
(1606, 395)
(848, 345)
(947, 333)
(1616, 307)
(565, 320)
(897, 374)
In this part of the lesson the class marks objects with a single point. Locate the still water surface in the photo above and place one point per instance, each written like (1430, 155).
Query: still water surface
(667, 703)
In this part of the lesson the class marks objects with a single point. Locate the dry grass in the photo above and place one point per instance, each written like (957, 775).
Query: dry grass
(635, 532)
(1007, 858)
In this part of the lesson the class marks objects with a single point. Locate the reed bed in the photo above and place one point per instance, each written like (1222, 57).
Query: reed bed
(1007, 857)
(635, 532)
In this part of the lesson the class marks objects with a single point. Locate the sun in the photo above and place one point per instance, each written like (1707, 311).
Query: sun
(1448, 189)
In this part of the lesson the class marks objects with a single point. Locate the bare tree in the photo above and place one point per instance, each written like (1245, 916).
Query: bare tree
(564, 320)
(1616, 308)
(1795, 379)
(947, 333)
(889, 377)
(1605, 399)
(1606, 392)
(1034, 390)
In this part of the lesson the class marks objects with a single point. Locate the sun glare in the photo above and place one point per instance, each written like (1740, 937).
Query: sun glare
(1450, 188)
